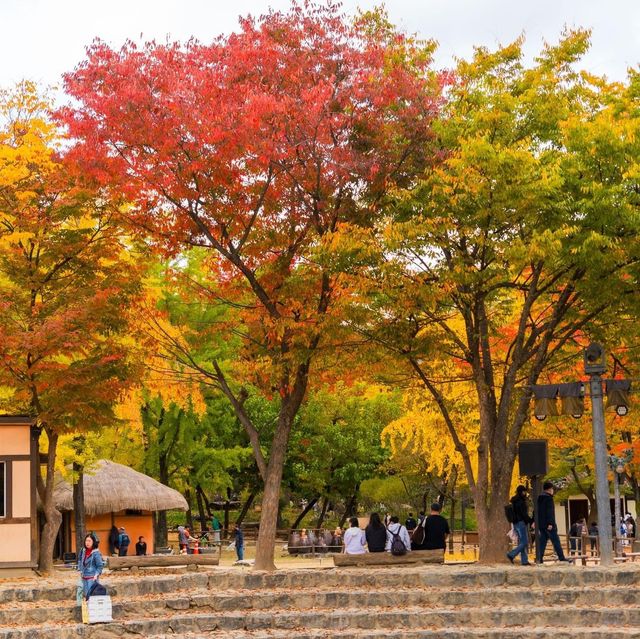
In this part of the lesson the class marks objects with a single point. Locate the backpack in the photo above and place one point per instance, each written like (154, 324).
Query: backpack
(397, 545)
(419, 534)
(510, 513)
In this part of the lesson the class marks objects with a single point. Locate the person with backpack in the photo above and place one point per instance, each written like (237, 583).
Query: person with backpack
(123, 542)
(436, 529)
(398, 540)
(90, 564)
(521, 522)
(375, 534)
(411, 523)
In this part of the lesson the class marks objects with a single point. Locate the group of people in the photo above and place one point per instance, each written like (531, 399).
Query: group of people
(186, 539)
(548, 529)
(119, 542)
(428, 533)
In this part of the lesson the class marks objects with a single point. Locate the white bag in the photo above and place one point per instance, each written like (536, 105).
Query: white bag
(98, 609)
(513, 535)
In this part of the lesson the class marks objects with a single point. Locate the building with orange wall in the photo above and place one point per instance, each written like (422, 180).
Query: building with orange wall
(115, 495)
(18, 467)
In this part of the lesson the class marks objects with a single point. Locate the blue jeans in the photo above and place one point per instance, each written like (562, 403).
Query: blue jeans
(523, 542)
(240, 552)
(546, 535)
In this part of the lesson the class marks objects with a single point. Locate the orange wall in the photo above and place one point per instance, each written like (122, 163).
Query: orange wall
(134, 526)
(15, 440)
(15, 542)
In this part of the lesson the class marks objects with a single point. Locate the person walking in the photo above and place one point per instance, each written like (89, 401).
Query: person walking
(90, 563)
(548, 529)
(239, 541)
(354, 539)
(436, 530)
(521, 522)
(375, 534)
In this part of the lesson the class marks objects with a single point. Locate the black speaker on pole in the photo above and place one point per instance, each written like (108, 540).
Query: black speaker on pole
(532, 457)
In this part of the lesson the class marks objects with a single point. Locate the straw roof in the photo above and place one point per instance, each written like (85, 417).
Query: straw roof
(111, 487)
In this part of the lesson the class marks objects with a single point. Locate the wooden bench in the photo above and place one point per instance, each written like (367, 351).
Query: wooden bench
(161, 561)
(387, 559)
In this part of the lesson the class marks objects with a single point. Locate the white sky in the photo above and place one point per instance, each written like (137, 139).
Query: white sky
(43, 38)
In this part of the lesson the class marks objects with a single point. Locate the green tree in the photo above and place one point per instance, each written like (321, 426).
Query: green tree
(336, 444)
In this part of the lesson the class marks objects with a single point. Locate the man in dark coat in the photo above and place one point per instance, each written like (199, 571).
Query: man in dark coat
(548, 530)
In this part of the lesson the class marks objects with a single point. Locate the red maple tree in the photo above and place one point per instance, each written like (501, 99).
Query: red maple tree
(269, 147)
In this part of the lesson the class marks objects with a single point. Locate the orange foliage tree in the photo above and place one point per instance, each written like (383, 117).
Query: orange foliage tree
(65, 278)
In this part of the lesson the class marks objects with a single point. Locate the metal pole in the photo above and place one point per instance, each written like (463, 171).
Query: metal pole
(601, 463)
(616, 495)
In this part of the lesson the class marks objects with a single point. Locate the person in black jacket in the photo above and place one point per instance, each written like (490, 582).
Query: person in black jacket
(521, 524)
(548, 530)
(376, 534)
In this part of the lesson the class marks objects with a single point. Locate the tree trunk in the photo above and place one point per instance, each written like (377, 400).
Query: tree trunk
(161, 537)
(245, 508)
(492, 543)
(189, 515)
(452, 514)
(350, 507)
(78, 507)
(201, 513)
(266, 543)
(225, 525)
(207, 502)
(425, 499)
(304, 513)
(52, 516)
(323, 513)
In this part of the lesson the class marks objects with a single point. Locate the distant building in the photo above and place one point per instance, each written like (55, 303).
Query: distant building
(114, 495)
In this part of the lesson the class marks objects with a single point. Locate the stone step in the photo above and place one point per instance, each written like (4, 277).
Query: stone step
(602, 632)
(554, 619)
(445, 577)
(214, 601)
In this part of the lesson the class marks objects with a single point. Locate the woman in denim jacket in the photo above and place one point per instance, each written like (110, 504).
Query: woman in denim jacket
(90, 563)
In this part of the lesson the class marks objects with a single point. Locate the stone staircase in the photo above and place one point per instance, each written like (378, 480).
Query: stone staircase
(429, 601)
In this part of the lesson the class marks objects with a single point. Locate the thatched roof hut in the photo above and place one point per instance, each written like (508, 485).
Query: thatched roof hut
(111, 487)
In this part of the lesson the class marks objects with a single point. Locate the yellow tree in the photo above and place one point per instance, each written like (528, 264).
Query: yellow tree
(522, 239)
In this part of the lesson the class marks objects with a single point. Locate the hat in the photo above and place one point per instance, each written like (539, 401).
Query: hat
(121, 527)
(627, 516)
